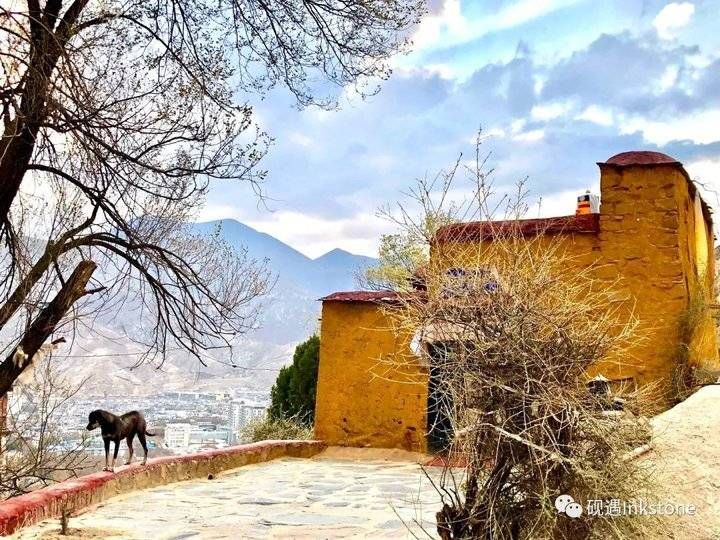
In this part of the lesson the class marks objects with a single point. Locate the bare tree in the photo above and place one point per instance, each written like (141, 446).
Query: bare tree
(148, 88)
(122, 113)
(509, 326)
(34, 452)
(190, 293)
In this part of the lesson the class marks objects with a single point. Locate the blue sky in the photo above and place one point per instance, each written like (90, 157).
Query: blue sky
(556, 85)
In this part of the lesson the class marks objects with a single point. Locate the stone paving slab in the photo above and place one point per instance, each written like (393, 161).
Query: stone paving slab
(285, 498)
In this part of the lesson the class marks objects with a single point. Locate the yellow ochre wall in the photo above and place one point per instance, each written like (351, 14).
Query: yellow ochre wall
(363, 401)
(580, 250)
(653, 236)
(655, 248)
(698, 255)
(650, 224)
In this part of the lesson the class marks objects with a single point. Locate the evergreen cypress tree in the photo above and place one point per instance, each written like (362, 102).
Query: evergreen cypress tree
(293, 395)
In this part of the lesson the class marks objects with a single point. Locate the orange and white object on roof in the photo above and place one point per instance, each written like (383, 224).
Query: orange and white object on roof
(587, 204)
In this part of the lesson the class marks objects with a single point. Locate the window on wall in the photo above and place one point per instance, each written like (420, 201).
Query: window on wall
(471, 281)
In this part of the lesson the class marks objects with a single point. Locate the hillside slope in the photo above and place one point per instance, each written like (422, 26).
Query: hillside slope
(290, 313)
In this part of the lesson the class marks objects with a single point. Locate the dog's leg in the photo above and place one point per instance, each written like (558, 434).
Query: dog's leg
(143, 442)
(107, 454)
(130, 449)
(117, 447)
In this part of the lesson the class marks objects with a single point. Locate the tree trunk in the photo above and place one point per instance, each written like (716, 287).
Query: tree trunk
(18, 296)
(20, 135)
(13, 166)
(44, 324)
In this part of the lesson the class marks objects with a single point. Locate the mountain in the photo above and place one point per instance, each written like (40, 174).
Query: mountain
(336, 270)
(335, 265)
(291, 309)
(290, 314)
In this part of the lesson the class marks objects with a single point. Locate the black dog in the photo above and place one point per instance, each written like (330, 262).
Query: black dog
(114, 428)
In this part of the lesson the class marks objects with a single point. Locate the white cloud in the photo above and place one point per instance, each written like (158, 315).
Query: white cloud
(706, 172)
(445, 71)
(668, 79)
(450, 27)
(550, 111)
(597, 115)
(310, 234)
(701, 127)
(430, 30)
(301, 139)
(672, 18)
(315, 235)
(213, 212)
(492, 133)
(517, 125)
(699, 61)
(526, 10)
(531, 136)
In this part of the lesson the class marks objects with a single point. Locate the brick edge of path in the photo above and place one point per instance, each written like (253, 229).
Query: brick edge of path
(74, 495)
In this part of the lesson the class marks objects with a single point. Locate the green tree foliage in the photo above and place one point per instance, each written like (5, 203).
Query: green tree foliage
(279, 395)
(399, 256)
(293, 395)
(402, 256)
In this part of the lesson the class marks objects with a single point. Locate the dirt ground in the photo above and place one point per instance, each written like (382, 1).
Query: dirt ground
(372, 454)
(284, 498)
(82, 534)
(686, 458)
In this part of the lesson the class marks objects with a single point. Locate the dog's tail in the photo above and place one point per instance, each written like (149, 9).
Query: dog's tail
(149, 434)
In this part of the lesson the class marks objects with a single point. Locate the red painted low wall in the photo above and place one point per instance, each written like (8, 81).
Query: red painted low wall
(80, 493)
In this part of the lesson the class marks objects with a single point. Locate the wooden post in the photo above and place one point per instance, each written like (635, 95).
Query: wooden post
(3, 424)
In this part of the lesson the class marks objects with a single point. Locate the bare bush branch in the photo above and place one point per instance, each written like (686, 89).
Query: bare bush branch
(508, 327)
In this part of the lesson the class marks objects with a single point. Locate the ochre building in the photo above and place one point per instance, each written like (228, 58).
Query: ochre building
(652, 238)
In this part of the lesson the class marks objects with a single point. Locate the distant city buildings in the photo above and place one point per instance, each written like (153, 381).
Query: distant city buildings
(197, 396)
(244, 413)
(189, 437)
(177, 435)
(191, 421)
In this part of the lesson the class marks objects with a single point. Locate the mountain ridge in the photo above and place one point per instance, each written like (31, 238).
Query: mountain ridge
(330, 272)
(290, 314)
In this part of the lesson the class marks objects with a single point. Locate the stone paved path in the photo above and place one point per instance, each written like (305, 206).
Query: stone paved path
(286, 498)
(686, 461)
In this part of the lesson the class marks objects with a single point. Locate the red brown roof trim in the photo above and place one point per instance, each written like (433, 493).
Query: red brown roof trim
(477, 231)
(640, 157)
(361, 296)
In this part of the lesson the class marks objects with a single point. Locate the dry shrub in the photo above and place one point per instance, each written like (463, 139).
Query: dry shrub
(267, 428)
(687, 377)
(509, 328)
(35, 451)
(510, 346)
